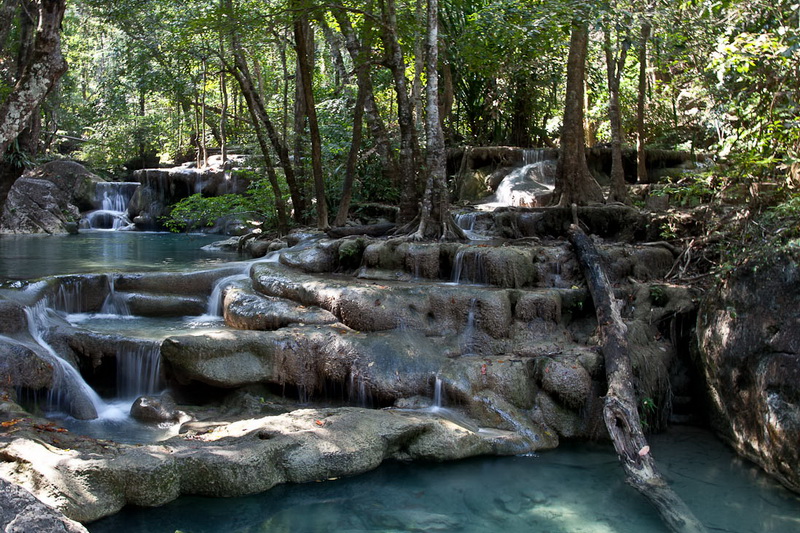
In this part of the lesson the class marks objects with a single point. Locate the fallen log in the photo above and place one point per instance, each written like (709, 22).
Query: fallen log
(372, 230)
(620, 408)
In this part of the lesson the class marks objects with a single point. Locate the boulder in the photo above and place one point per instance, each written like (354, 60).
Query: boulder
(157, 409)
(21, 512)
(48, 199)
(750, 350)
(86, 480)
(322, 257)
(248, 310)
(21, 367)
(12, 317)
(370, 306)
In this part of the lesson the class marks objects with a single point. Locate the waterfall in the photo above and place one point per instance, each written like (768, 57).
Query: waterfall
(468, 337)
(466, 221)
(138, 370)
(358, 394)
(69, 390)
(214, 308)
(114, 304)
(437, 393)
(113, 198)
(469, 265)
(522, 186)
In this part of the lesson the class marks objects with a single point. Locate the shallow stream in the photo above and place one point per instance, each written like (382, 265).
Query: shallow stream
(577, 488)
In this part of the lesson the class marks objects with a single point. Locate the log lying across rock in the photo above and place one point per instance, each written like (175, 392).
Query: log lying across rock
(620, 412)
(371, 230)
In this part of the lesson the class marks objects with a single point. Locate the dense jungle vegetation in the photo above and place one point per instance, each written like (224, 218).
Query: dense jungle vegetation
(337, 102)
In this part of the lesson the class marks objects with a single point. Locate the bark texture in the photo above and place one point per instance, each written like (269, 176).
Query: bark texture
(434, 201)
(41, 71)
(409, 150)
(574, 183)
(302, 34)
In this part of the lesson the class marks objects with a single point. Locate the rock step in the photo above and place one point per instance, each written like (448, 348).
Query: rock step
(509, 266)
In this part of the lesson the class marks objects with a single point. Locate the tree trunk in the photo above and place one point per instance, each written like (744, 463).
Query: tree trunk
(44, 67)
(223, 119)
(574, 183)
(280, 206)
(377, 128)
(364, 88)
(434, 201)
(352, 156)
(335, 46)
(641, 102)
(203, 140)
(255, 102)
(620, 410)
(614, 67)
(409, 150)
(302, 32)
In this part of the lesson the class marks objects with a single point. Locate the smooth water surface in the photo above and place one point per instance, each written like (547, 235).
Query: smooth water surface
(578, 487)
(34, 256)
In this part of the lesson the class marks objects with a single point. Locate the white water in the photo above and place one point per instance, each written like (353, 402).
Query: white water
(67, 381)
(138, 371)
(115, 303)
(469, 266)
(468, 340)
(437, 393)
(522, 186)
(113, 198)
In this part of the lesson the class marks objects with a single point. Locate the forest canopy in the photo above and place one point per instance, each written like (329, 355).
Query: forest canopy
(322, 94)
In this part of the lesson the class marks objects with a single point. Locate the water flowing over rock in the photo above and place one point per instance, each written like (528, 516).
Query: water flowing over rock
(502, 362)
(49, 199)
(750, 347)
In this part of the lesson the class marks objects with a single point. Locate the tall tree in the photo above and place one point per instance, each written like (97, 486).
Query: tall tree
(409, 149)
(434, 213)
(389, 167)
(302, 32)
(615, 63)
(574, 182)
(641, 102)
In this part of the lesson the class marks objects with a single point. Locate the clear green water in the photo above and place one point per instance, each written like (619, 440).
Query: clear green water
(577, 488)
(25, 257)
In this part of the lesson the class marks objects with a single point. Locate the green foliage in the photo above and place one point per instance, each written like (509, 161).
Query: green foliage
(648, 413)
(658, 295)
(255, 208)
(690, 191)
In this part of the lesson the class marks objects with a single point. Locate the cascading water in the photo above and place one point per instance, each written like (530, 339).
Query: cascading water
(466, 221)
(69, 391)
(138, 370)
(437, 393)
(215, 300)
(358, 394)
(468, 337)
(522, 186)
(115, 303)
(113, 198)
(469, 265)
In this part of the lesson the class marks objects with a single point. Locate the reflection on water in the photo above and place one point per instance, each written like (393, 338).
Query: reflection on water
(576, 488)
(35, 256)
